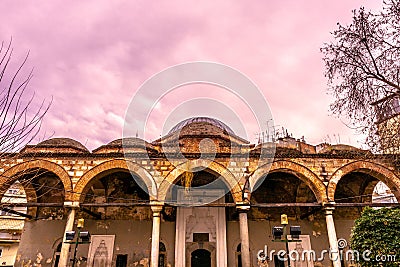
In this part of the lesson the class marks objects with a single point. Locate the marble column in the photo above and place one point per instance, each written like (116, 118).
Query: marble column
(333, 243)
(69, 226)
(155, 235)
(244, 235)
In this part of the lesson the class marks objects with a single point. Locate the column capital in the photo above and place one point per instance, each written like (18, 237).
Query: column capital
(71, 204)
(156, 207)
(329, 207)
(156, 203)
(242, 206)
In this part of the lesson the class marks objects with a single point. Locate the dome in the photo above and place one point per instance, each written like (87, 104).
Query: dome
(345, 150)
(124, 145)
(340, 147)
(62, 142)
(128, 141)
(211, 121)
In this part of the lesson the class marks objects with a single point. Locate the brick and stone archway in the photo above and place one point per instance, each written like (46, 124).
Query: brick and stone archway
(12, 174)
(300, 171)
(230, 180)
(110, 165)
(377, 171)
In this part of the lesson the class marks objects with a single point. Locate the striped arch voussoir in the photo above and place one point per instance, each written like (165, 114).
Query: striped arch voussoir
(13, 174)
(376, 170)
(303, 173)
(230, 180)
(135, 168)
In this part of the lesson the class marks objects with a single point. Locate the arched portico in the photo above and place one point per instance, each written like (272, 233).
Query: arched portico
(230, 180)
(378, 171)
(14, 173)
(110, 165)
(301, 172)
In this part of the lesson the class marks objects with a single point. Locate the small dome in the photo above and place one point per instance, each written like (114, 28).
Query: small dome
(340, 147)
(62, 142)
(128, 141)
(346, 150)
(125, 145)
(211, 121)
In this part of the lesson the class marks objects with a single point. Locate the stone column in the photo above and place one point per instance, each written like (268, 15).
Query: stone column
(244, 235)
(69, 226)
(333, 243)
(155, 235)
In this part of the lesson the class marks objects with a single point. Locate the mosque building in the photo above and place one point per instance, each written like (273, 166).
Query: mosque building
(198, 196)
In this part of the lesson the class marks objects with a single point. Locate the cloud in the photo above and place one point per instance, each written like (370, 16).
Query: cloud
(92, 56)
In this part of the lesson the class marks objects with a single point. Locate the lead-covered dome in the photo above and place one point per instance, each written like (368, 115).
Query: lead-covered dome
(125, 145)
(57, 145)
(62, 142)
(208, 120)
(128, 141)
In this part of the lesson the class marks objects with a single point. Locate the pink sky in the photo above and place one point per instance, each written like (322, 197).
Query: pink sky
(91, 57)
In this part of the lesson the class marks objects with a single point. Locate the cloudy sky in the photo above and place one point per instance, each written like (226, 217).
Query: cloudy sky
(92, 56)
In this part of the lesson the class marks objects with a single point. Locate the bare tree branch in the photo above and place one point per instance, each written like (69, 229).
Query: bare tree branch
(20, 122)
(362, 65)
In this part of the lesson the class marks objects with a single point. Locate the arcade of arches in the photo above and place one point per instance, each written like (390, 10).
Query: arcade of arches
(129, 204)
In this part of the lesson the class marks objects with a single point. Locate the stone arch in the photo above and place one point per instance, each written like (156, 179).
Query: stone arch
(228, 177)
(300, 171)
(378, 171)
(135, 168)
(10, 175)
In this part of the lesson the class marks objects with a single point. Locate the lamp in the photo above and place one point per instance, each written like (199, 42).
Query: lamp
(69, 235)
(295, 231)
(84, 236)
(277, 232)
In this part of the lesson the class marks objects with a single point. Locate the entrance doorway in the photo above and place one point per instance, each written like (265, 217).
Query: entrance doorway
(201, 258)
(122, 260)
(201, 228)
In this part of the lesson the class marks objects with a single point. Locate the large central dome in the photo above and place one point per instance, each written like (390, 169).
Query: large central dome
(211, 121)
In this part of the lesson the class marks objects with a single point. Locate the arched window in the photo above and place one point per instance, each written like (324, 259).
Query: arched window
(239, 255)
(162, 256)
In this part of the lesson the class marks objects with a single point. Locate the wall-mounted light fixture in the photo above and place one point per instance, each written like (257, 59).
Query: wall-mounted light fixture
(83, 237)
(279, 231)
(295, 231)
